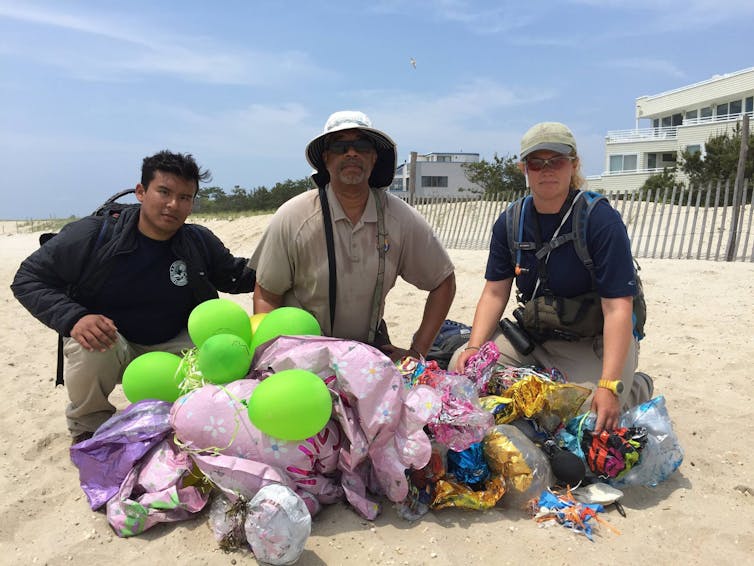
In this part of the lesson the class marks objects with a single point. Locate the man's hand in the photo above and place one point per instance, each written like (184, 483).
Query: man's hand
(95, 332)
(605, 406)
(397, 354)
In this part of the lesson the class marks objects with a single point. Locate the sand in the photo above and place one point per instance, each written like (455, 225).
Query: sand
(699, 348)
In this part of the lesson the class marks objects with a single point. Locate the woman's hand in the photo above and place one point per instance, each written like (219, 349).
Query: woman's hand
(605, 405)
(463, 358)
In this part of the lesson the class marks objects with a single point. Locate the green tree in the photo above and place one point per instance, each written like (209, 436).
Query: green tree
(720, 160)
(659, 182)
(288, 189)
(499, 176)
(260, 199)
(210, 199)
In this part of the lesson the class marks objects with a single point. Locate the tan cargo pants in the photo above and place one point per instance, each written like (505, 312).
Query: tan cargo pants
(90, 377)
(580, 362)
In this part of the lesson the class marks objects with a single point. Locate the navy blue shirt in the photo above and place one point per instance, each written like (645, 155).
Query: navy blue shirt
(607, 242)
(146, 293)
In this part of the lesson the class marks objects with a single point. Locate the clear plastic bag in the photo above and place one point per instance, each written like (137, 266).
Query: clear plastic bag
(524, 466)
(662, 455)
(277, 525)
(226, 520)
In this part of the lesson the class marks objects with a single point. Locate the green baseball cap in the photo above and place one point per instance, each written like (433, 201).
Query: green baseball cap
(552, 136)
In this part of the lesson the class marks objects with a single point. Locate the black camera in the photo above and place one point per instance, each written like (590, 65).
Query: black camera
(515, 334)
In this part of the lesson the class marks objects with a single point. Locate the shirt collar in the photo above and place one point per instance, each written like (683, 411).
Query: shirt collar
(370, 211)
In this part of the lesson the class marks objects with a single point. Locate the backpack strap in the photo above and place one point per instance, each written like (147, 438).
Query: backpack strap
(514, 226)
(382, 247)
(583, 208)
(329, 240)
(110, 207)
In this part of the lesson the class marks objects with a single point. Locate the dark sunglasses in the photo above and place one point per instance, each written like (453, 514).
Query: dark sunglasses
(555, 163)
(341, 146)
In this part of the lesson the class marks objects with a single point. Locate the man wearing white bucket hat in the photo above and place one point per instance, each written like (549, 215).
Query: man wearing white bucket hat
(337, 251)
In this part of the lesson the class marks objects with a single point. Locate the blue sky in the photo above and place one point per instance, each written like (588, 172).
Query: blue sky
(87, 89)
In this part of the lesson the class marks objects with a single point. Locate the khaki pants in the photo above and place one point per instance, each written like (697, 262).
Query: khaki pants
(90, 377)
(580, 362)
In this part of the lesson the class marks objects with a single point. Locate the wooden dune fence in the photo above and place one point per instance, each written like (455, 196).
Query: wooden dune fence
(685, 223)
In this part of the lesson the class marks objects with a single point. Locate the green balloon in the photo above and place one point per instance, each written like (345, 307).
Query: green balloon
(285, 321)
(224, 358)
(292, 404)
(218, 316)
(153, 375)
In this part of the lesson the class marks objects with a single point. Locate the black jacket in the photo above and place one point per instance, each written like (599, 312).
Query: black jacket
(57, 281)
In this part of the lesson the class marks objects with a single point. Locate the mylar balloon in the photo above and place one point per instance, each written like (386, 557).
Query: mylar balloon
(292, 404)
(224, 358)
(255, 319)
(285, 321)
(218, 316)
(153, 375)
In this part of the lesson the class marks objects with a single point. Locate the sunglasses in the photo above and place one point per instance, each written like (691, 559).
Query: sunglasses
(555, 163)
(341, 146)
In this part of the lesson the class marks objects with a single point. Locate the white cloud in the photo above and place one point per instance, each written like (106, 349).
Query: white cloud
(477, 117)
(500, 16)
(675, 15)
(646, 64)
(103, 50)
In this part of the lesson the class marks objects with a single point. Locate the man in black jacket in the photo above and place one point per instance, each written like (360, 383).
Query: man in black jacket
(117, 287)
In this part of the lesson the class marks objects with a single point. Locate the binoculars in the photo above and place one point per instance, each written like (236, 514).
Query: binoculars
(515, 334)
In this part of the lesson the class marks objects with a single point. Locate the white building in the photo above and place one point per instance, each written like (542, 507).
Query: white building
(437, 174)
(684, 118)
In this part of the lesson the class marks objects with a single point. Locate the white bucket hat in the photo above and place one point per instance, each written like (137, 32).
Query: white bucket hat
(384, 168)
(552, 136)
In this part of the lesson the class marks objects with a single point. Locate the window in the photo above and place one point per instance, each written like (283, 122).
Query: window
(691, 115)
(676, 119)
(620, 163)
(706, 112)
(666, 122)
(694, 149)
(721, 110)
(668, 157)
(397, 184)
(656, 123)
(735, 107)
(750, 104)
(434, 181)
(651, 161)
(443, 158)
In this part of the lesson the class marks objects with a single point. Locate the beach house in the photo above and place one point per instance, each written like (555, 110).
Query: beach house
(436, 174)
(670, 122)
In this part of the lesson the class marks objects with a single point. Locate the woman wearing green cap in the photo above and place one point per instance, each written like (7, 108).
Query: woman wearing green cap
(578, 318)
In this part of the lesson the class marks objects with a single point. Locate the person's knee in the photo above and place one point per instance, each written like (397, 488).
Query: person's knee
(85, 370)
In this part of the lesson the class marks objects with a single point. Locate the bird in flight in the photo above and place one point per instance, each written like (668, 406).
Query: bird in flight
(413, 62)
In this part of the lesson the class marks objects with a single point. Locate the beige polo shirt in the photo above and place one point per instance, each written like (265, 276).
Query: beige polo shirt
(291, 258)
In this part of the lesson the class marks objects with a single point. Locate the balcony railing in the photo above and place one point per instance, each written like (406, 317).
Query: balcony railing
(652, 171)
(642, 134)
(667, 132)
(713, 119)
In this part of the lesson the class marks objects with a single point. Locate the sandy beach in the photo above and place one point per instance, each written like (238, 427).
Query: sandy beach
(699, 349)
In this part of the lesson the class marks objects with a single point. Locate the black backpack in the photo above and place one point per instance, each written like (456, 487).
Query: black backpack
(112, 209)
(582, 207)
(452, 335)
